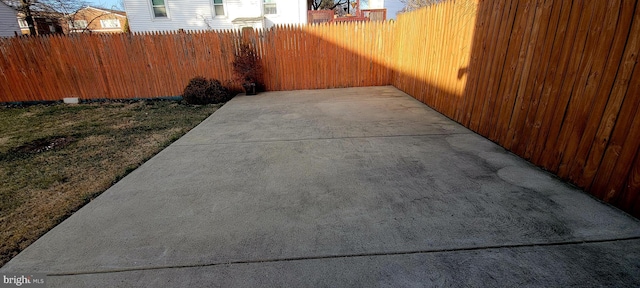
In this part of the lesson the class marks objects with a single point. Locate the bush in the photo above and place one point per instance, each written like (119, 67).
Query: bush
(196, 91)
(200, 90)
(218, 92)
(247, 67)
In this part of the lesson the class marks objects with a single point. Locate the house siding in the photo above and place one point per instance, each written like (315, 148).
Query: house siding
(8, 21)
(289, 12)
(376, 4)
(199, 15)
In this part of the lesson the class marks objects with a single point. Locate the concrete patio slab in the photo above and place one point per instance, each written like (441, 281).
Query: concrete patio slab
(579, 265)
(323, 114)
(341, 187)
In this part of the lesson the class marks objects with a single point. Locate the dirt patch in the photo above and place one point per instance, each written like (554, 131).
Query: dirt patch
(45, 144)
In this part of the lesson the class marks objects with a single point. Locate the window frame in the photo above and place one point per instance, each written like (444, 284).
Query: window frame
(73, 26)
(116, 21)
(270, 3)
(20, 23)
(223, 4)
(153, 10)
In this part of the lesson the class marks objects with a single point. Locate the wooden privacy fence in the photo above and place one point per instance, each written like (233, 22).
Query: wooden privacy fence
(161, 64)
(327, 16)
(327, 55)
(555, 81)
(320, 16)
(110, 66)
(375, 14)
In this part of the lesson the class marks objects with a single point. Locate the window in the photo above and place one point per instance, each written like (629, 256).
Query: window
(23, 23)
(270, 7)
(218, 8)
(52, 29)
(110, 23)
(78, 24)
(159, 8)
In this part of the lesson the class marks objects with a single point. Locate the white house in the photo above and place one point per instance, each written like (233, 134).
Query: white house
(167, 15)
(8, 21)
(373, 4)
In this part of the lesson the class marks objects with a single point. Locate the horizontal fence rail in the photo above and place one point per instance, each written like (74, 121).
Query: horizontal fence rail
(556, 82)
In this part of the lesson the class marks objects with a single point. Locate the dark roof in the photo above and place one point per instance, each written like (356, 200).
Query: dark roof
(42, 14)
(5, 4)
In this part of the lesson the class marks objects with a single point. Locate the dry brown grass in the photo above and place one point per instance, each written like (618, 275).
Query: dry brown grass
(39, 189)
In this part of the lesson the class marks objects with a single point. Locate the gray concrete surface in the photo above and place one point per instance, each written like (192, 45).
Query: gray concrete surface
(344, 187)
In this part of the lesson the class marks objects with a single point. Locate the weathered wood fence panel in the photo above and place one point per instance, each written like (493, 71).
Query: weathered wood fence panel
(161, 64)
(556, 82)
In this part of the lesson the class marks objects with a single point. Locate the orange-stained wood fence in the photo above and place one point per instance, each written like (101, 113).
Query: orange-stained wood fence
(555, 81)
(327, 55)
(110, 66)
(161, 64)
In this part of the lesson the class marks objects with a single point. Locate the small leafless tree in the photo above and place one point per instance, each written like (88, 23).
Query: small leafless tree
(325, 4)
(66, 9)
(29, 7)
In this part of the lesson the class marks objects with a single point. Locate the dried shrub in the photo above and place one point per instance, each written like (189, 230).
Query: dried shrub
(217, 92)
(247, 67)
(201, 90)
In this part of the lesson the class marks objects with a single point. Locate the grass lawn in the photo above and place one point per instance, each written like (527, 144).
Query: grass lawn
(54, 159)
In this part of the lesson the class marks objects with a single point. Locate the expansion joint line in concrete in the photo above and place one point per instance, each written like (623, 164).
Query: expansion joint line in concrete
(276, 260)
(325, 138)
